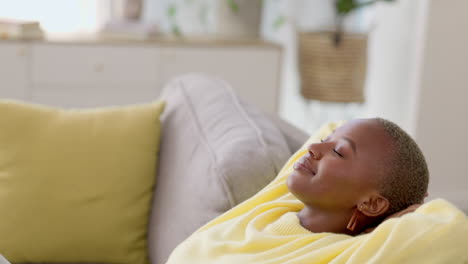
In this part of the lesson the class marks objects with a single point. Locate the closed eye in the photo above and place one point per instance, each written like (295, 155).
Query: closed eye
(339, 154)
(334, 150)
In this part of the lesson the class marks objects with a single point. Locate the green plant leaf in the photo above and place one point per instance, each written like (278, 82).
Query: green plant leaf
(233, 5)
(176, 30)
(344, 7)
(203, 14)
(171, 11)
(279, 22)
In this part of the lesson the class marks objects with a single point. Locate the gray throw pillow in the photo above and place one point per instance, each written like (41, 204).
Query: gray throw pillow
(216, 151)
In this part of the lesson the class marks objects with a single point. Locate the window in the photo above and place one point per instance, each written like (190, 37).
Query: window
(56, 16)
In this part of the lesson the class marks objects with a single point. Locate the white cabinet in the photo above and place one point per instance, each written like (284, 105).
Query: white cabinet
(107, 65)
(14, 62)
(96, 73)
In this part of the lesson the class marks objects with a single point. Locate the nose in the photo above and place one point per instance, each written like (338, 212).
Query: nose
(314, 150)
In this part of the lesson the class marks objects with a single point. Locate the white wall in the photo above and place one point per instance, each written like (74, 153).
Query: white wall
(392, 50)
(442, 112)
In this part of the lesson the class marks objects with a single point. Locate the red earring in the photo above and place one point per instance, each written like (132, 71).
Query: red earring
(353, 221)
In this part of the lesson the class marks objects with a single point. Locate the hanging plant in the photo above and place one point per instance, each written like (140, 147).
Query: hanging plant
(236, 11)
(171, 15)
(279, 21)
(344, 8)
(233, 5)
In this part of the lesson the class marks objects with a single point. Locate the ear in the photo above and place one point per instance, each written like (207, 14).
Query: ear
(375, 205)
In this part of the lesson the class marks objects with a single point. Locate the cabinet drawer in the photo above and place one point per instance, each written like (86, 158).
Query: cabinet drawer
(14, 59)
(83, 96)
(97, 65)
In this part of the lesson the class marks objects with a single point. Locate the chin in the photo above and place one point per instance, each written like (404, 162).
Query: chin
(300, 186)
(295, 185)
(292, 181)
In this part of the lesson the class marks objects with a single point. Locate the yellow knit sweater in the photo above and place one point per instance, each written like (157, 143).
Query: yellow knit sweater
(265, 229)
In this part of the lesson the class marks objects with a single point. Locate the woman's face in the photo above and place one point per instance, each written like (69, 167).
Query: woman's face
(344, 167)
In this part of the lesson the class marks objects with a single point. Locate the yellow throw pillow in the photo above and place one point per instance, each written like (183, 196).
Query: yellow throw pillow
(76, 185)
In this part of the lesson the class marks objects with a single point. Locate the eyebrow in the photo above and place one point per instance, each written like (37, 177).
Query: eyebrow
(352, 143)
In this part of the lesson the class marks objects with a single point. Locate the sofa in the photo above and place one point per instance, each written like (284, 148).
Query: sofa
(231, 151)
(215, 151)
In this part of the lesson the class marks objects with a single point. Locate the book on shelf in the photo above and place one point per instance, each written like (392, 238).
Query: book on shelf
(22, 29)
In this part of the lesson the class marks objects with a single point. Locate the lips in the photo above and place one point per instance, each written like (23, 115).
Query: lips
(304, 164)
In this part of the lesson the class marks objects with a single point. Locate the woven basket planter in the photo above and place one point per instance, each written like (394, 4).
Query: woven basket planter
(329, 72)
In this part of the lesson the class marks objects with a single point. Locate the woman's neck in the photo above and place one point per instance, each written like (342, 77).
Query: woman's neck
(317, 220)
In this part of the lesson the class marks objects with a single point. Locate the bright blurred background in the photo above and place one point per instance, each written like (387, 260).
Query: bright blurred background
(417, 62)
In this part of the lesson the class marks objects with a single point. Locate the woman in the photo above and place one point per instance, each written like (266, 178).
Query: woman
(326, 195)
(361, 173)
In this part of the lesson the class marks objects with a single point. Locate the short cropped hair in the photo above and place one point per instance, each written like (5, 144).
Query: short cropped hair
(406, 176)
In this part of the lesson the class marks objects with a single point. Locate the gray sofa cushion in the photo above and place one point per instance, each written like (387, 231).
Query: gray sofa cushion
(216, 151)
(294, 136)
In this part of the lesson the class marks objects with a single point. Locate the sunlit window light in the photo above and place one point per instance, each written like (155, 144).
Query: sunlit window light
(55, 16)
